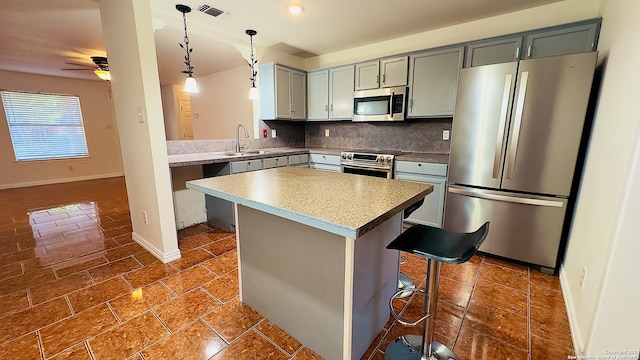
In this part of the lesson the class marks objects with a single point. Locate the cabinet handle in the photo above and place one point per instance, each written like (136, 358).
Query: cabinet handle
(331, 107)
(529, 51)
(384, 77)
(517, 53)
(326, 108)
(378, 79)
(410, 103)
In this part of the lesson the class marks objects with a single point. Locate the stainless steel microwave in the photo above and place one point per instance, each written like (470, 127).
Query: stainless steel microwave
(386, 104)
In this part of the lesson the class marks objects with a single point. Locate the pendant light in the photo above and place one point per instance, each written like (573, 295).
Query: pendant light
(190, 84)
(254, 94)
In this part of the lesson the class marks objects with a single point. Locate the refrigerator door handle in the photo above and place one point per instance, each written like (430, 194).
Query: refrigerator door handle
(503, 120)
(513, 147)
(506, 198)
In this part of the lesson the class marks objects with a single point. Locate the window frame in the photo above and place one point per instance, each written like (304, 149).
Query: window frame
(62, 122)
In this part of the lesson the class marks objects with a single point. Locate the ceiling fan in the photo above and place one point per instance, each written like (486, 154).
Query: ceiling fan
(101, 68)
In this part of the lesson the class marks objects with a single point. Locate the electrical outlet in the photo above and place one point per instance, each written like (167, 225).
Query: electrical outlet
(445, 135)
(140, 115)
(326, 132)
(583, 275)
(145, 218)
(273, 133)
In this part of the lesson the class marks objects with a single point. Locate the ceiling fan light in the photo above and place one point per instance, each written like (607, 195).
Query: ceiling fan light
(254, 93)
(190, 85)
(102, 74)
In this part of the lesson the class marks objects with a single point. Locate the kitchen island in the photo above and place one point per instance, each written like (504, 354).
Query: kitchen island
(311, 248)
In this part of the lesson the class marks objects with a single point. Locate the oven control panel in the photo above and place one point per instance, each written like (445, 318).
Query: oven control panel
(367, 158)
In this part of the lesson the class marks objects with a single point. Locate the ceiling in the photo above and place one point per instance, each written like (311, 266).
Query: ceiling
(45, 37)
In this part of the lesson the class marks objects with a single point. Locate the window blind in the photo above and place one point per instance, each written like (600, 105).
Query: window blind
(45, 126)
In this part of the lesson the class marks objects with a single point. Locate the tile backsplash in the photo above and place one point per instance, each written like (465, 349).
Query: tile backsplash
(410, 135)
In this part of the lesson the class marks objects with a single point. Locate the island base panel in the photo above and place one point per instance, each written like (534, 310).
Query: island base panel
(329, 292)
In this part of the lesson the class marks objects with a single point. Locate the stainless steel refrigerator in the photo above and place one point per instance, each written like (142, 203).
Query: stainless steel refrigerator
(516, 135)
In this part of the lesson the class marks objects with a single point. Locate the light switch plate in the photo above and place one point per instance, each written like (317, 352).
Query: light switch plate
(445, 135)
(326, 132)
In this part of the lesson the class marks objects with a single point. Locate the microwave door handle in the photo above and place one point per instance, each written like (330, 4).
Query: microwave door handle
(391, 105)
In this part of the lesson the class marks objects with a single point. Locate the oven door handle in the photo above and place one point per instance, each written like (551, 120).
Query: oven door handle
(366, 167)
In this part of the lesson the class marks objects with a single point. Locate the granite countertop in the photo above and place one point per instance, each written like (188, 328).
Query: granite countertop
(344, 204)
(424, 157)
(219, 157)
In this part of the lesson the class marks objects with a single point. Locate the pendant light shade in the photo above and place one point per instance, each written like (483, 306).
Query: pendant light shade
(254, 93)
(190, 84)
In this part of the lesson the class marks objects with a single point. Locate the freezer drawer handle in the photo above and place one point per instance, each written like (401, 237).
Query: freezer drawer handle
(506, 198)
(515, 137)
(503, 120)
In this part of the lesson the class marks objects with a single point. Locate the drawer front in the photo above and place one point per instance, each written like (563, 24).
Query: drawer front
(325, 159)
(424, 168)
(244, 166)
(298, 159)
(274, 162)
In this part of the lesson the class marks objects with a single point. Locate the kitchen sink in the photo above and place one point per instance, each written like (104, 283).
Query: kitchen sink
(247, 152)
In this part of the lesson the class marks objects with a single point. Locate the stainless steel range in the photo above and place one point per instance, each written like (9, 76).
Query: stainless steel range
(377, 163)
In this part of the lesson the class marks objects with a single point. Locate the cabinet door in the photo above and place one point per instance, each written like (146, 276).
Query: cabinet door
(341, 92)
(274, 162)
(572, 40)
(433, 82)
(367, 75)
(430, 213)
(394, 71)
(493, 52)
(298, 93)
(318, 94)
(283, 93)
(244, 166)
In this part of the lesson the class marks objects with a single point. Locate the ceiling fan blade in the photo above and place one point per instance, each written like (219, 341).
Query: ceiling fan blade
(84, 65)
(79, 69)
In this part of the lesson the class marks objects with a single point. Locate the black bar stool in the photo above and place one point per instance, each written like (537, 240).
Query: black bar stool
(437, 245)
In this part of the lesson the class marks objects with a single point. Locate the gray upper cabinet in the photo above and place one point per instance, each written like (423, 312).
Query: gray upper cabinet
(383, 73)
(330, 94)
(433, 78)
(283, 92)
(556, 41)
(571, 40)
(493, 51)
(318, 95)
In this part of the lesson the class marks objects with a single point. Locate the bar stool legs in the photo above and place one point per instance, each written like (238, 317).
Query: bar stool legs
(413, 347)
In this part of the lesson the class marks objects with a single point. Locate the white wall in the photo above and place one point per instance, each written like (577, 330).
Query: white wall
(105, 159)
(534, 18)
(222, 104)
(128, 35)
(605, 313)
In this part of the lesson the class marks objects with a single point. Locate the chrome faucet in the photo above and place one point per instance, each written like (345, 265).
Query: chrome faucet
(246, 135)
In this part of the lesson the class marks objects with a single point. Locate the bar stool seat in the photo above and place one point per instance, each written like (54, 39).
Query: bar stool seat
(438, 246)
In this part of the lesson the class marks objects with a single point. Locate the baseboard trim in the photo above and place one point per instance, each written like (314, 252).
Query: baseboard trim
(164, 257)
(577, 340)
(59, 181)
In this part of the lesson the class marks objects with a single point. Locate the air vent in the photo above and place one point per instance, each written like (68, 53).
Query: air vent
(210, 10)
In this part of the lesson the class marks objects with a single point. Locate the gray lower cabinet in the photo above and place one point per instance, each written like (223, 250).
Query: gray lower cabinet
(275, 162)
(301, 160)
(433, 80)
(431, 212)
(324, 162)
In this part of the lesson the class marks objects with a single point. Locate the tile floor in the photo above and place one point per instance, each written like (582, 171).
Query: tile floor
(73, 285)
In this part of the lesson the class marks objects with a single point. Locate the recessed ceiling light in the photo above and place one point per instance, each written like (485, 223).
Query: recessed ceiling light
(295, 9)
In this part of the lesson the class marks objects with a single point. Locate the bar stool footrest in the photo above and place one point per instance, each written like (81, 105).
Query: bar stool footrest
(409, 347)
(401, 294)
